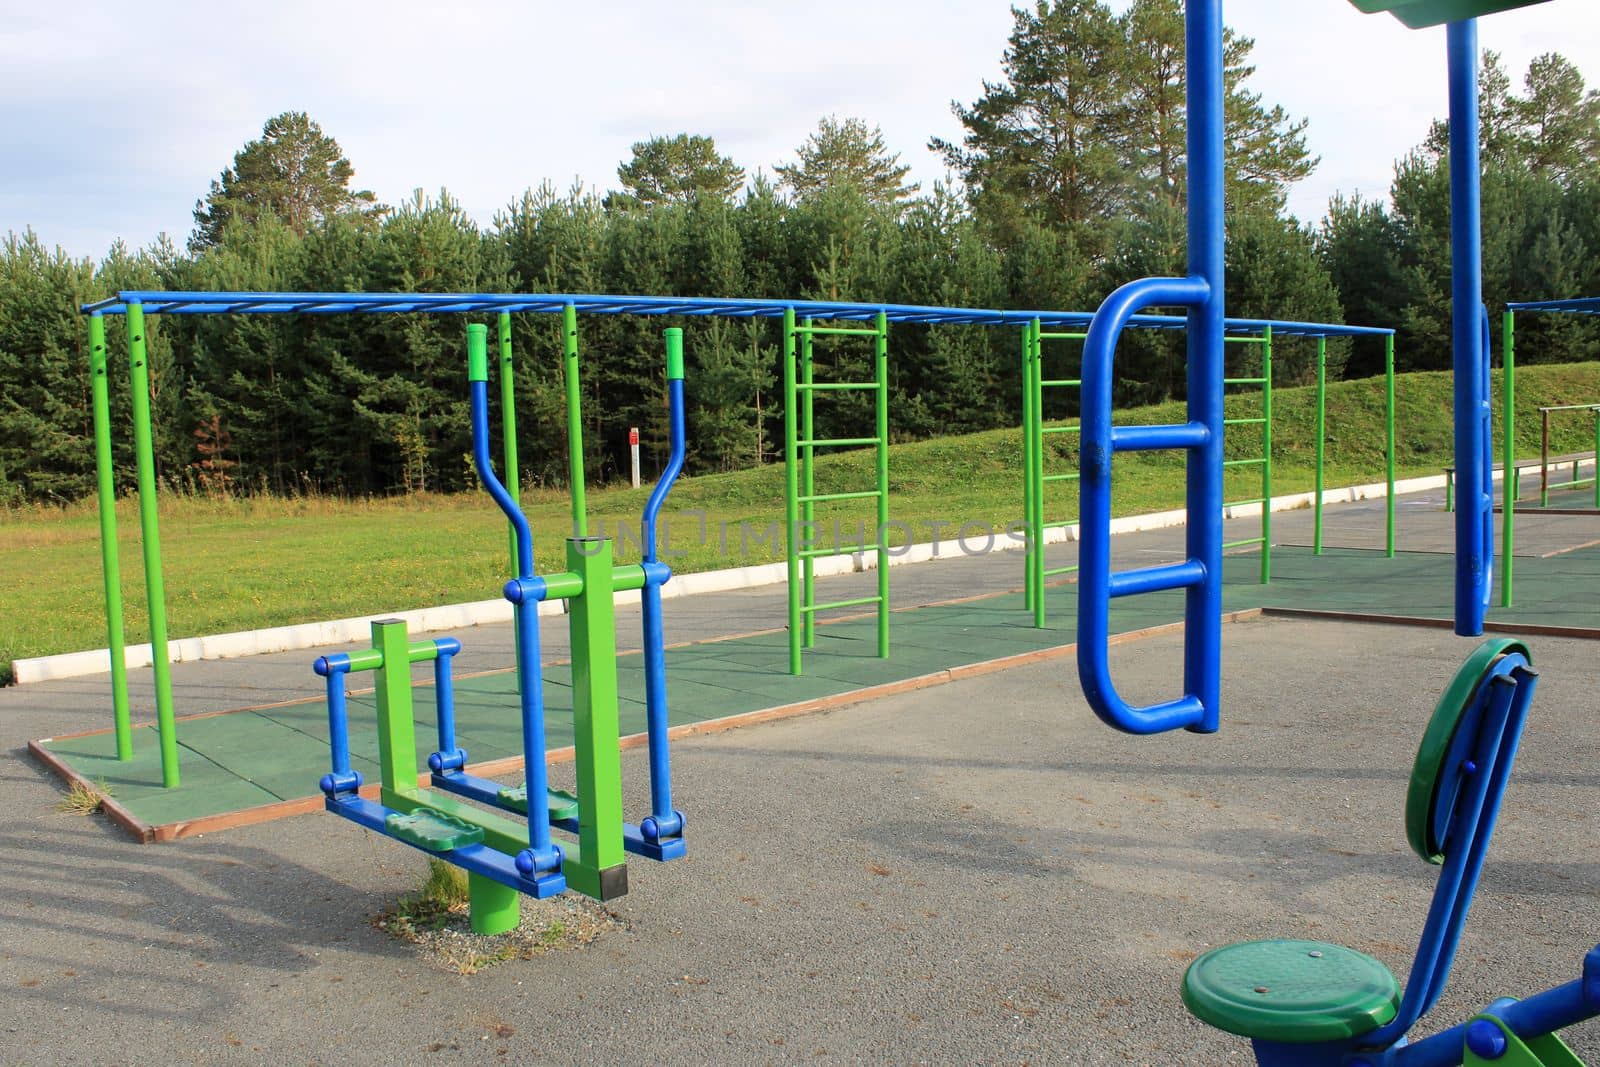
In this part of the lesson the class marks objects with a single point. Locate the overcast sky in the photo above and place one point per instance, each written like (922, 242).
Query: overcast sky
(114, 124)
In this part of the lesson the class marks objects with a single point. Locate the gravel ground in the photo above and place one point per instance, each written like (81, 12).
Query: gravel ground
(975, 873)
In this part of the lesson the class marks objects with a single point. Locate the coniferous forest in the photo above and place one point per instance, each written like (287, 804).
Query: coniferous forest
(1068, 180)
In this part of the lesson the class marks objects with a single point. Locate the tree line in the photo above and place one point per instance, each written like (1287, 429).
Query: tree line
(1068, 181)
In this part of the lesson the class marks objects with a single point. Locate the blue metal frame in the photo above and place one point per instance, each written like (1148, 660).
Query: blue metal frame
(1200, 575)
(240, 303)
(660, 835)
(1474, 460)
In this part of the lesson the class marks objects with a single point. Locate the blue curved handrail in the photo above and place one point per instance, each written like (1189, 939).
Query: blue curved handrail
(1100, 442)
(542, 855)
(664, 821)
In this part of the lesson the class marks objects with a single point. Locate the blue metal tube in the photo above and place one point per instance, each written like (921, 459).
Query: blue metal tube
(1471, 398)
(530, 673)
(450, 756)
(1183, 575)
(663, 820)
(1094, 507)
(1542, 1013)
(1152, 438)
(1202, 665)
(334, 668)
(193, 303)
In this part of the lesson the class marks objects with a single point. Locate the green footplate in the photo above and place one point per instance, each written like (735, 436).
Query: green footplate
(1420, 13)
(433, 830)
(1291, 991)
(563, 805)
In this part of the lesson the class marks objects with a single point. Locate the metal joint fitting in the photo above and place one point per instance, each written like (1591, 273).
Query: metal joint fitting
(454, 760)
(530, 865)
(655, 830)
(336, 784)
(656, 573)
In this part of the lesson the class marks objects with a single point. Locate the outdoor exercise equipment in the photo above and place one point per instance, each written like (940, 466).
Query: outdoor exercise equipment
(804, 543)
(525, 858)
(1200, 574)
(1313, 1004)
(136, 306)
(1040, 381)
(1262, 382)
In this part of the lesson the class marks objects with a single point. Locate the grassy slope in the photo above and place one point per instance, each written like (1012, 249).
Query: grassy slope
(242, 564)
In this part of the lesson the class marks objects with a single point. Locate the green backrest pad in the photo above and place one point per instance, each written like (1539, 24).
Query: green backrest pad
(1420, 13)
(1451, 732)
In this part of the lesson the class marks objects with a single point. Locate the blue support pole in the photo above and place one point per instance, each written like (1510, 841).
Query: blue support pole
(1473, 565)
(542, 856)
(663, 821)
(1202, 663)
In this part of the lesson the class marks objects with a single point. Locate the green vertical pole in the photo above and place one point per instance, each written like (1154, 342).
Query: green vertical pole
(1597, 459)
(493, 908)
(1322, 433)
(882, 433)
(397, 728)
(1508, 452)
(150, 534)
(791, 493)
(808, 485)
(569, 340)
(110, 561)
(1037, 531)
(508, 421)
(1388, 507)
(601, 869)
(1029, 593)
(1266, 466)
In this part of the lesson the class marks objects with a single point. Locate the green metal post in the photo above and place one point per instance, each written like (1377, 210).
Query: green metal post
(1322, 432)
(1039, 474)
(150, 534)
(1266, 467)
(397, 729)
(882, 432)
(508, 421)
(791, 492)
(1597, 459)
(1388, 506)
(1508, 446)
(1029, 593)
(600, 870)
(569, 340)
(808, 485)
(110, 560)
(493, 908)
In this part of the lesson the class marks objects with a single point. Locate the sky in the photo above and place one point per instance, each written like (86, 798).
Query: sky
(113, 127)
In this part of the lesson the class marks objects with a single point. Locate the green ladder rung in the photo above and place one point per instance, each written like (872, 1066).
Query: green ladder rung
(1062, 525)
(838, 331)
(836, 442)
(1244, 381)
(857, 602)
(1243, 422)
(820, 497)
(1059, 478)
(1242, 503)
(563, 805)
(1074, 382)
(834, 387)
(847, 550)
(1063, 336)
(432, 830)
(1243, 462)
(1060, 429)
(1051, 572)
(1246, 541)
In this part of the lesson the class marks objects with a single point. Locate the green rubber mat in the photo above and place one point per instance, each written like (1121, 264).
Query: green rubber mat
(247, 759)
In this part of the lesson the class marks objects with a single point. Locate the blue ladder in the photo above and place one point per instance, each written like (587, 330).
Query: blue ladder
(1200, 574)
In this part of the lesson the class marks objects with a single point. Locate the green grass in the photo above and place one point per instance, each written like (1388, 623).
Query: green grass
(240, 564)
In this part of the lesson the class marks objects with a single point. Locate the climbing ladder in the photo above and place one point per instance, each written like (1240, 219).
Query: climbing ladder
(1263, 462)
(1200, 291)
(800, 444)
(1035, 480)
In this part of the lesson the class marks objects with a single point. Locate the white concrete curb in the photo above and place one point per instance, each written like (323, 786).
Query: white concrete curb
(486, 612)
